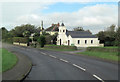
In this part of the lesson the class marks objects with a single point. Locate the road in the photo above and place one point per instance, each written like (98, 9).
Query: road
(53, 65)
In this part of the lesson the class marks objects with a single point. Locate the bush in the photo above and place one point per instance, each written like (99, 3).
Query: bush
(41, 41)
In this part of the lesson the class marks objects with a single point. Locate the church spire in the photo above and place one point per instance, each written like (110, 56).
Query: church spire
(62, 24)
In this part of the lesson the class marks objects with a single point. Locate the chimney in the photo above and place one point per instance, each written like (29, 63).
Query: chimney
(58, 24)
(52, 24)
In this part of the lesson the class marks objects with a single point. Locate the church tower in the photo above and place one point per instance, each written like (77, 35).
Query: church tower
(61, 39)
(62, 29)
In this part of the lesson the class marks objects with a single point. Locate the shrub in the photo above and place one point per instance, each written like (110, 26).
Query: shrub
(41, 41)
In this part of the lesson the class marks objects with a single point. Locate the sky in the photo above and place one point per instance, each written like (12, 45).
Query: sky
(93, 15)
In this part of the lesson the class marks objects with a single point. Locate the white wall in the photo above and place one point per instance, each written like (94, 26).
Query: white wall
(88, 44)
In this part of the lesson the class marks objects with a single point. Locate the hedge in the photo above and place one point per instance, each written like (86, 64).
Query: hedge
(21, 39)
(60, 47)
(8, 40)
(102, 49)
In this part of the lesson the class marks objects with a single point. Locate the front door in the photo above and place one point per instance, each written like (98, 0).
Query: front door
(68, 42)
(60, 41)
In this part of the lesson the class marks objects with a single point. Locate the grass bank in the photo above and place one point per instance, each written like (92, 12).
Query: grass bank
(102, 54)
(60, 48)
(9, 60)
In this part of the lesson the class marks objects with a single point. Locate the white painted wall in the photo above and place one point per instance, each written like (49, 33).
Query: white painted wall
(88, 44)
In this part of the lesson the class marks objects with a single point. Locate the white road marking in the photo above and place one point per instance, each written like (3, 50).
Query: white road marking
(64, 60)
(43, 53)
(98, 78)
(79, 67)
(52, 56)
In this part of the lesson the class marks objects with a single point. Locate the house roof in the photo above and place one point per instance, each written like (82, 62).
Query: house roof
(80, 34)
(54, 27)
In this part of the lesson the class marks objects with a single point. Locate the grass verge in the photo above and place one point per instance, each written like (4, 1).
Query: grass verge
(9, 60)
(57, 49)
(104, 55)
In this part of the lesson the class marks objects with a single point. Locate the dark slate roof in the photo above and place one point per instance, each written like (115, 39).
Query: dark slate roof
(80, 34)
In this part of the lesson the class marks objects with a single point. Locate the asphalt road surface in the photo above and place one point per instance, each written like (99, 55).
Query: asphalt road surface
(53, 65)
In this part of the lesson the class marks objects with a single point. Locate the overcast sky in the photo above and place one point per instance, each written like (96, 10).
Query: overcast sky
(92, 15)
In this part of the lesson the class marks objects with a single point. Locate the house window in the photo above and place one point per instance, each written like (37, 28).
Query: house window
(78, 41)
(63, 30)
(60, 30)
(91, 41)
(85, 41)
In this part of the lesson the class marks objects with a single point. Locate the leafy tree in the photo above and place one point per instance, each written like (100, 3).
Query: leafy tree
(44, 33)
(4, 33)
(36, 36)
(39, 29)
(41, 40)
(117, 40)
(101, 36)
(26, 33)
(19, 30)
(51, 39)
(89, 31)
(78, 29)
(108, 37)
(48, 39)
(54, 38)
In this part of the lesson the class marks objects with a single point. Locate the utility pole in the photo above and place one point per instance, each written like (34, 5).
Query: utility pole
(42, 25)
(41, 32)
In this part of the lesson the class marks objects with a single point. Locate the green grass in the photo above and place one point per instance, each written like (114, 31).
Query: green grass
(54, 45)
(111, 47)
(58, 49)
(108, 47)
(9, 60)
(104, 55)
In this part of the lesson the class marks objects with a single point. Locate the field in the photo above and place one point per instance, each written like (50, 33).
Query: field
(9, 60)
(102, 54)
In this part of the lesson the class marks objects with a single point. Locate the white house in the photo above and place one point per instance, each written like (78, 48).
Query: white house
(76, 38)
